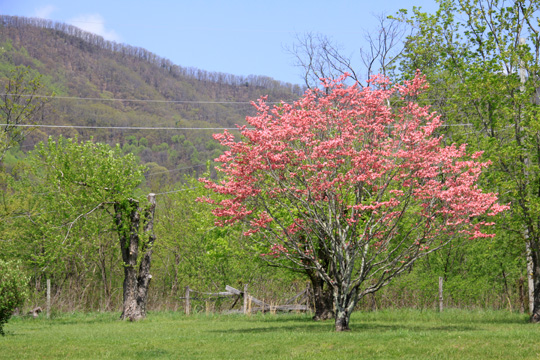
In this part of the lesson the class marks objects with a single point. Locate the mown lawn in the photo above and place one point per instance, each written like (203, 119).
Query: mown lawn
(396, 334)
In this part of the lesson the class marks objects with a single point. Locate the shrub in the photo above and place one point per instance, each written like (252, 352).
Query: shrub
(13, 291)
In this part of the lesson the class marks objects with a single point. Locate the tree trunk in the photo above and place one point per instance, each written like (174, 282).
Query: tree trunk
(323, 295)
(344, 304)
(535, 314)
(322, 299)
(128, 219)
(342, 321)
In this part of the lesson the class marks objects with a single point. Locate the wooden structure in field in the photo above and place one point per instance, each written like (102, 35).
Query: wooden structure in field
(299, 302)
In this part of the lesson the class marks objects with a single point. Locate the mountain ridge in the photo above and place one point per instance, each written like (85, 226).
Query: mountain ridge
(102, 84)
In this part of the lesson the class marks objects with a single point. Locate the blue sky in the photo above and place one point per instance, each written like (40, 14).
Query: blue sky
(236, 37)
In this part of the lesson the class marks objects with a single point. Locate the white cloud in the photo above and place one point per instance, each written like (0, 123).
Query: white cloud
(44, 12)
(94, 23)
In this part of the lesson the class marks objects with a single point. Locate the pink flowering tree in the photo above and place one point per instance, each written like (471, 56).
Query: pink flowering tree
(344, 185)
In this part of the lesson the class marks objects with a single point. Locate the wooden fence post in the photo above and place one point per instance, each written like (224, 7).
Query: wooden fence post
(187, 307)
(245, 299)
(48, 298)
(440, 293)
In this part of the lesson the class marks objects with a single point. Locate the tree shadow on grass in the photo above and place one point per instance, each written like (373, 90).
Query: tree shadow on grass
(9, 333)
(313, 328)
(498, 321)
(326, 327)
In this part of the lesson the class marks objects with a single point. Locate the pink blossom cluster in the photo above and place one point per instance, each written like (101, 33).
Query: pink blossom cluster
(276, 251)
(344, 155)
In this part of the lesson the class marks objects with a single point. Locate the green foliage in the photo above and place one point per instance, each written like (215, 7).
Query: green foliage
(471, 54)
(68, 190)
(160, 147)
(95, 172)
(199, 253)
(475, 273)
(13, 290)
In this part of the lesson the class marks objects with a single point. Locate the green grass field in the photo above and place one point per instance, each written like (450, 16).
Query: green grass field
(396, 334)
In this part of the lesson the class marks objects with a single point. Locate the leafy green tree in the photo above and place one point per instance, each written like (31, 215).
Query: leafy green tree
(482, 59)
(76, 186)
(194, 250)
(13, 290)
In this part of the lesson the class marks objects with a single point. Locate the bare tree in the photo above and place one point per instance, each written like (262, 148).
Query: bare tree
(321, 57)
(383, 46)
(21, 105)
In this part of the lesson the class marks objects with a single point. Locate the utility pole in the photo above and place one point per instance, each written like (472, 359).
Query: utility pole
(441, 294)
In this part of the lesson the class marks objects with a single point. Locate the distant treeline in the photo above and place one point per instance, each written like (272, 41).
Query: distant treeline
(143, 54)
(113, 87)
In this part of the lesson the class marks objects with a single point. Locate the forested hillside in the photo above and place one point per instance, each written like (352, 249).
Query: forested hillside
(103, 85)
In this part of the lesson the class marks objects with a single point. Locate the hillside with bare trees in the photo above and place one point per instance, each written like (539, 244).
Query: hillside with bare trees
(102, 89)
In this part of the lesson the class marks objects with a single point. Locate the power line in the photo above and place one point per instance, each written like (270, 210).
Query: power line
(162, 128)
(115, 127)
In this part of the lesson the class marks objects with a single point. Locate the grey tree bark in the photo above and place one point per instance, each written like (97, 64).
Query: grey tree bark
(128, 218)
(345, 302)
